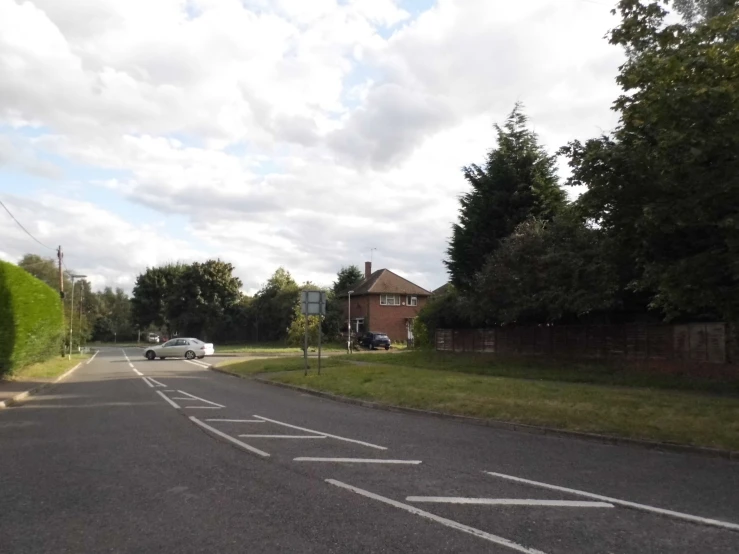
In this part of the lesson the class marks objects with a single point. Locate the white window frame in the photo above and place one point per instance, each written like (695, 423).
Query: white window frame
(411, 300)
(385, 297)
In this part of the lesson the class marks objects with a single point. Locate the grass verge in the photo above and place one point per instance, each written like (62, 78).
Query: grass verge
(647, 414)
(272, 365)
(550, 370)
(50, 369)
(273, 348)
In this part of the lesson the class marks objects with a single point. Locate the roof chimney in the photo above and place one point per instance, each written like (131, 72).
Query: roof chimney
(367, 269)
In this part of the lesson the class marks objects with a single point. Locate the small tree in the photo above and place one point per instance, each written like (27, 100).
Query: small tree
(296, 331)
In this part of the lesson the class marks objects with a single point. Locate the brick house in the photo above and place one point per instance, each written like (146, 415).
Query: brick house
(385, 303)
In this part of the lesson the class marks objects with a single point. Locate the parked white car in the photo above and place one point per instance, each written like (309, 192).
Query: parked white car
(152, 337)
(180, 347)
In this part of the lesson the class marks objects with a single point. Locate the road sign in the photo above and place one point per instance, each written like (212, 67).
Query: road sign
(313, 302)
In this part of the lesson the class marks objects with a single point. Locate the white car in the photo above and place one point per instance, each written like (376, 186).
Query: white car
(180, 348)
(152, 337)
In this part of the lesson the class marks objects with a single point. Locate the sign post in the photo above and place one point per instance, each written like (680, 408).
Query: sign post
(312, 302)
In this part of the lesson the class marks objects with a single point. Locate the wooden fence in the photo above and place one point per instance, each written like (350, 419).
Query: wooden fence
(694, 342)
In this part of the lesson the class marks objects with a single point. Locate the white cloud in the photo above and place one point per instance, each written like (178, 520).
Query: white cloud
(283, 133)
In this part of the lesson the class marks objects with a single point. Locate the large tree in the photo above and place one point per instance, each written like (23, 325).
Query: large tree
(273, 306)
(152, 295)
(664, 187)
(695, 10)
(517, 181)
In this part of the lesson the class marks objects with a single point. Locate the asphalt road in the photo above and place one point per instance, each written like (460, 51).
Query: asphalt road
(138, 456)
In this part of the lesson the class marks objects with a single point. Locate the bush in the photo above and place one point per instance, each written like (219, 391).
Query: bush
(31, 319)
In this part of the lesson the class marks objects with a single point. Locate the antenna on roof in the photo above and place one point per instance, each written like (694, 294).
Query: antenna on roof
(372, 251)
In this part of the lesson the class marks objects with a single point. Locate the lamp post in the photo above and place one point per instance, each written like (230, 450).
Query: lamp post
(71, 312)
(349, 318)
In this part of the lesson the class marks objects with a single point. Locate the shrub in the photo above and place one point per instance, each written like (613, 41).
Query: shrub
(31, 319)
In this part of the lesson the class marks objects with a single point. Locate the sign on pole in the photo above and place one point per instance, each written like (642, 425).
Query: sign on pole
(312, 302)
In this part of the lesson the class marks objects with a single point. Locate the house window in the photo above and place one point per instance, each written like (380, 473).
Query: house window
(411, 301)
(389, 300)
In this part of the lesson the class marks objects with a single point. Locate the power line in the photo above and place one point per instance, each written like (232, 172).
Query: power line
(22, 227)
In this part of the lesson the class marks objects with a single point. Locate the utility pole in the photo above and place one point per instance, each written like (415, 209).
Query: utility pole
(60, 257)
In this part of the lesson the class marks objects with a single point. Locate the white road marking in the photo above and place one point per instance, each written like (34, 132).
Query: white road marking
(321, 433)
(147, 382)
(197, 364)
(357, 461)
(228, 437)
(204, 407)
(93, 357)
(137, 372)
(237, 420)
(634, 505)
(284, 436)
(170, 390)
(157, 382)
(130, 365)
(174, 404)
(444, 521)
(509, 502)
(201, 399)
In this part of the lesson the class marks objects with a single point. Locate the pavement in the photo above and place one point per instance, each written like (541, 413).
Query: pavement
(128, 455)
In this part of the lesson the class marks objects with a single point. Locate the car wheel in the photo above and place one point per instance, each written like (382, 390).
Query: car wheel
(162, 357)
(150, 355)
(387, 348)
(372, 346)
(201, 357)
(190, 355)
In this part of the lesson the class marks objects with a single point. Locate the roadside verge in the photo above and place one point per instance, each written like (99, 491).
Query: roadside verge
(20, 396)
(500, 424)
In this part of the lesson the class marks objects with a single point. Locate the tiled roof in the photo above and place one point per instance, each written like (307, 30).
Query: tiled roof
(442, 289)
(385, 281)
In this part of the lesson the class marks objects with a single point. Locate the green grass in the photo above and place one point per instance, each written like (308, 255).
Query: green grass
(272, 348)
(49, 369)
(271, 365)
(543, 369)
(658, 415)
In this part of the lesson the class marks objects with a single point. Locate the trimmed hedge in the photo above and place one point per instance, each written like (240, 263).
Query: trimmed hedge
(31, 319)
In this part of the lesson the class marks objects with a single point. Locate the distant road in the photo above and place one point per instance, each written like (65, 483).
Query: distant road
(129, 455)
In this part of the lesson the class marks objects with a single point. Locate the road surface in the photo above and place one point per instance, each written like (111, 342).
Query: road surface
(128, 455)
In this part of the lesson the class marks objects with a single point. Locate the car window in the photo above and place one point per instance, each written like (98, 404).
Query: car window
(170, 343)
(182, 342)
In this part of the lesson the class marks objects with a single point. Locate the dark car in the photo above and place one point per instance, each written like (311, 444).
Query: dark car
(375, 340)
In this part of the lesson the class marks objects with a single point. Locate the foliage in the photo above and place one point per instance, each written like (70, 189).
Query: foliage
(274, 306)
(695, 10)
(545, 272)
(296, 332)
(113, 321)
(31, 319)
(664, 187)
(346, 279)
(517, 181)
(152, 293)
(449, 310)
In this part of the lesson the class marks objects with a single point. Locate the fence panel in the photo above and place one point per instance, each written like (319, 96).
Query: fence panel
(695, 342)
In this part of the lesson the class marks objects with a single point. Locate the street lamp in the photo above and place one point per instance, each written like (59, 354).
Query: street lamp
(71, 312)
(349, 317)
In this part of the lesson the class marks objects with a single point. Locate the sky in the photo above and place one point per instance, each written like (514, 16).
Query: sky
(304, 134)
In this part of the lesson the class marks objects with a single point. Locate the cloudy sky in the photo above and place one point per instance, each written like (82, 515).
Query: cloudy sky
(295, 133)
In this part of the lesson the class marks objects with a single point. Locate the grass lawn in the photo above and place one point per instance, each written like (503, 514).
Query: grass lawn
(641, 413)
(49, 369)
(270, 365)
(543, 369)
(273, 348)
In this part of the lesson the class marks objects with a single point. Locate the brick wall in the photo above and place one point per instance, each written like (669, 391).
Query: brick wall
(384, 319)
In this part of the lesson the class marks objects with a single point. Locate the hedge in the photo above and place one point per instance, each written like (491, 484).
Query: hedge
(31, 319)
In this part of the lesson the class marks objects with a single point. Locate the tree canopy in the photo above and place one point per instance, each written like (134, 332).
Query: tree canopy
(517, 181)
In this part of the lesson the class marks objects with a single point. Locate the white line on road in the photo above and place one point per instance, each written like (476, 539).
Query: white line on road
(284, 436)
(157, 382)
(201, 399)
(170, 390)
(237, 420)
(444, 521)
(357, 461)
(130, 365)
(137, 372)
(228, 437)
(204, 407)
(93, 357)
(321, 433)
(147, 382)
(509, 502)
(197, 364)
(174, 404)
(634, 505)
